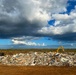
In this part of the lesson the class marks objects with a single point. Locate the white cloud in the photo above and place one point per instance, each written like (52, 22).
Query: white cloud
(54, 30)
(64, 16)
(64, 24)
(26, 38)
(41, 10)
(57, 23)
(61, 16)
(18, 41)
(72, 44)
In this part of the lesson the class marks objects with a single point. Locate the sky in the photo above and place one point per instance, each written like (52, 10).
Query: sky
(37, 23)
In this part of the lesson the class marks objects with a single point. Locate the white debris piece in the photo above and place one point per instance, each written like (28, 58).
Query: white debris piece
(64, 59)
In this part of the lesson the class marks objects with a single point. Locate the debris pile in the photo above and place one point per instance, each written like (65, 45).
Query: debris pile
(40, 58)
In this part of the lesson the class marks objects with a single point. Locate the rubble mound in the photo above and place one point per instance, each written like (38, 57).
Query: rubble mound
(40, 59)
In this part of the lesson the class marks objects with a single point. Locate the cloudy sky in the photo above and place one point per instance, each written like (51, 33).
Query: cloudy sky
(37, 23)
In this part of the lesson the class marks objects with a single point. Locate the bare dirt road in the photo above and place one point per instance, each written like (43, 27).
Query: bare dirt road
(36, 70)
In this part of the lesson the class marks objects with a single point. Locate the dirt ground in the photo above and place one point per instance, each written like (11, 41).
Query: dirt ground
(36, 70)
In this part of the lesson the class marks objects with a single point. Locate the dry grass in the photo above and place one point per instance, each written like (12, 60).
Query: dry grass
(36, 70)
(14, 51)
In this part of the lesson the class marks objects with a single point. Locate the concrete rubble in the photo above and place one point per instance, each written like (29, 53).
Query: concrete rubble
(40, 58)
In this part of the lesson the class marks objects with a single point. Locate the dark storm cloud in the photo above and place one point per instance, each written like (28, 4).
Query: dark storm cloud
(13, 23)
(65, 37)
(19, 29)
(27, 17)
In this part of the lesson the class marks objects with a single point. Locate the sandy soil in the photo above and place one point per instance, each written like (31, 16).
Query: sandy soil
(36, 70)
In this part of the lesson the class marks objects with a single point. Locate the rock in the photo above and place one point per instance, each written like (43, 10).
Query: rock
(2, 54)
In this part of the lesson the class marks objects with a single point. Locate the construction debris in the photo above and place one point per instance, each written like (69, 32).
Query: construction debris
(40, 58)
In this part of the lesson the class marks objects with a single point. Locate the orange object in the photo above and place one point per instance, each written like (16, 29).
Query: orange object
(61, 47)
